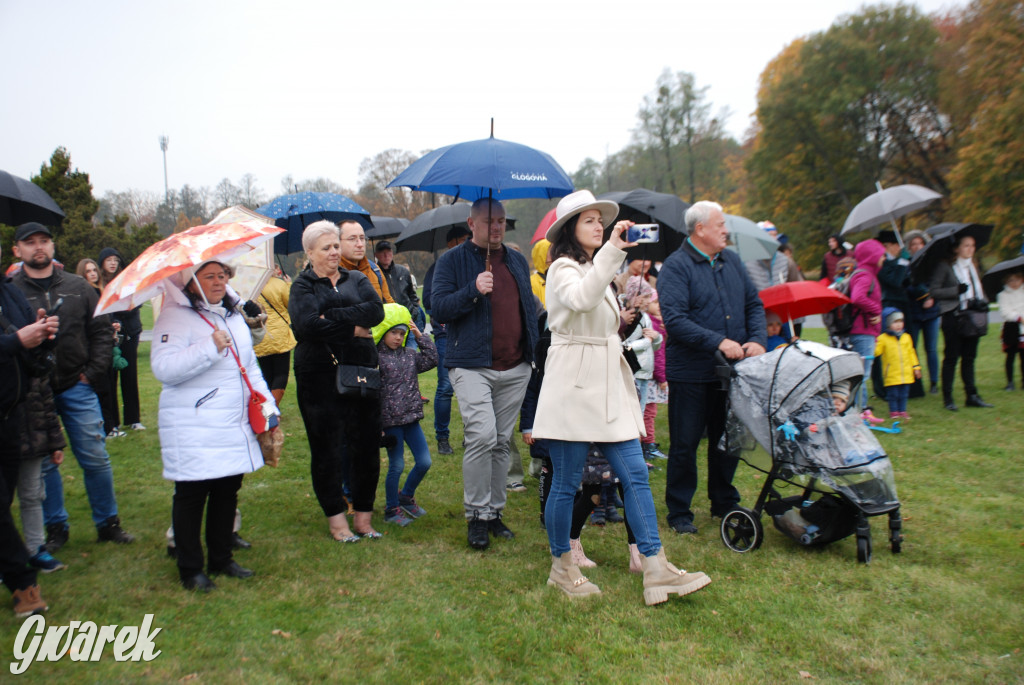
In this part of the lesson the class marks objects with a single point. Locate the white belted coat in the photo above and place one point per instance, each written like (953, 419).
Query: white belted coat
(588, 394)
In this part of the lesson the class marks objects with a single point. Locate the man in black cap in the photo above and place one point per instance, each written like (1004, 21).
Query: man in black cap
(84, 352)
(399, 277)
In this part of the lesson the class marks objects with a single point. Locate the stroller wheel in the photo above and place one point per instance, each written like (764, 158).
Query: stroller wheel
(864, 549)
(742, 530)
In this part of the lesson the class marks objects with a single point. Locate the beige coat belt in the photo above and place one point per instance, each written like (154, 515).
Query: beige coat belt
(613, 371)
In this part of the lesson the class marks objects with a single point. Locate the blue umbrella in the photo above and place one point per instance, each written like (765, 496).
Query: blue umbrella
(295, 212)
(487, 168)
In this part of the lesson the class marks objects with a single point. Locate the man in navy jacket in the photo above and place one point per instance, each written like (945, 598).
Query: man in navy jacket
(708, 303)
(481, 292)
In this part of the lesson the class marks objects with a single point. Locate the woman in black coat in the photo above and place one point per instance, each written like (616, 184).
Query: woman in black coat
(955, 285)
(332, 311)
(130, 322)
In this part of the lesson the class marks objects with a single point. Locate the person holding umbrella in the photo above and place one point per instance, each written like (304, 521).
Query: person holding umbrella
(956, 287)
(201, 343)
(481, 292)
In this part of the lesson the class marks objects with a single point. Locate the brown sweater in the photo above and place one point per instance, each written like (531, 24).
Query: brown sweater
(376, 277)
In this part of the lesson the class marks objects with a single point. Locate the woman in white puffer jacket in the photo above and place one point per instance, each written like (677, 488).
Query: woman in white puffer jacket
(205, 438)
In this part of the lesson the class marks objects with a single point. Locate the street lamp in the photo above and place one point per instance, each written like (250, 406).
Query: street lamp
(163, 148)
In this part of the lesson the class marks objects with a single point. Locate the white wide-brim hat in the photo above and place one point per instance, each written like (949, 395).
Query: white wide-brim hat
(575, 203)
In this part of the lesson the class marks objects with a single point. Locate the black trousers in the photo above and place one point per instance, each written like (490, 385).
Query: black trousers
(344, 442)
(588, 499)
(957, 348)
(219, 496)
(692, 408)
(130, 380)
(14, 567)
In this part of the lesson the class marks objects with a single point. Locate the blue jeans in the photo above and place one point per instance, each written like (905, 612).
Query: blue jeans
(897, 396)
(568, 460)
(443, 396)
(864, 345)
(410, 434)
(79, 410)
(930, 329)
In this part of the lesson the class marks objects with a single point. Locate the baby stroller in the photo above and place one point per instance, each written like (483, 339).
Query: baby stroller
(782, 401)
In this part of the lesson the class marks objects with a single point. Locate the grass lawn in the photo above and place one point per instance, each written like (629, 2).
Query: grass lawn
(420, 606)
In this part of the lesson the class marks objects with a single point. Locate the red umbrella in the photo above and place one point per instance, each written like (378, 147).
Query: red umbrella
(802, 298)
(543, 226)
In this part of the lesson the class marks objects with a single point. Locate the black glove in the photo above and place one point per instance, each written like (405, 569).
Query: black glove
(962, 288)
(252, 310)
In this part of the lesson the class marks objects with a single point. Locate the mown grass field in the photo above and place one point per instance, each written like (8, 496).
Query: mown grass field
(420, 606)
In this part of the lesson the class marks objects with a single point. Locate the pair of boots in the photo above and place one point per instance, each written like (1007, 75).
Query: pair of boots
(579, 557)
(607, 510)
(661, 579)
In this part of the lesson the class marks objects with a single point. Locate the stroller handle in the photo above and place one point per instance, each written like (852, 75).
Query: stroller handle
(724, 370)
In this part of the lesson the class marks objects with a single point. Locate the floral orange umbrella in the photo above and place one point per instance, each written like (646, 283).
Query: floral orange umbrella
(159, 267)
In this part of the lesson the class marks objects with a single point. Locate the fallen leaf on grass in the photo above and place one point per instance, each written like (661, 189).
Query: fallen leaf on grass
(714, 613)
(805, 674)
(343, 592)
(190, 676)
(278, 631)
(437, 634)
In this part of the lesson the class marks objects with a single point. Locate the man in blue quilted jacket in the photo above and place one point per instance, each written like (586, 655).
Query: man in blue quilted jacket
(708, 303)
(481, 292)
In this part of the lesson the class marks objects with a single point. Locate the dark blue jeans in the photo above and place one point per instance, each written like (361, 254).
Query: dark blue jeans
(443, 396)
(897, 396)
(692, 407)
(412, 435)
(930, 329)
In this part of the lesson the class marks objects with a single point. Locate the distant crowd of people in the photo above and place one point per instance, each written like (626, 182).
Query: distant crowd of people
(582, 349)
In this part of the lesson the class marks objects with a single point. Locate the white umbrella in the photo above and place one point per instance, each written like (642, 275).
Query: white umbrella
(887, 205)
(748, 240)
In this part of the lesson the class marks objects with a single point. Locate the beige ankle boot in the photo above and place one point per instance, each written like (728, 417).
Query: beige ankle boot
(662, 579)
(635, 565)
(567, 576)
(579, 557)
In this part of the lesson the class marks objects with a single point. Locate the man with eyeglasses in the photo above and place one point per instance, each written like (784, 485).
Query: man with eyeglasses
(353, 258)
(482, 293)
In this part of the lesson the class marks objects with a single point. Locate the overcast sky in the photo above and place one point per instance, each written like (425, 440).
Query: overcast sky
(312, 88)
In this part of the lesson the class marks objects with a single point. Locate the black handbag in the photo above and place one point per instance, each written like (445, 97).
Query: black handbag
(971, 323)
(630, 355)
(357, 381)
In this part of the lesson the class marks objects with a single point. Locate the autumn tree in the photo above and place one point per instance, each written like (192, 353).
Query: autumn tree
(846, 108)
(376, 172)
(985, 75)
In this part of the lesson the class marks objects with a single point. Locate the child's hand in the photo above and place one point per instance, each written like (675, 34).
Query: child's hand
(917, 374)
(58, 457)
(414, 330)
(650, 333)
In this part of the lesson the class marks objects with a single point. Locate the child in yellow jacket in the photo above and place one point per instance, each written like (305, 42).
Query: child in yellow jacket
(895, 350)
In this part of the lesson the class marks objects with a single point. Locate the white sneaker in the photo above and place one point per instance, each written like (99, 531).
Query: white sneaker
(137, 427)
(116, 433)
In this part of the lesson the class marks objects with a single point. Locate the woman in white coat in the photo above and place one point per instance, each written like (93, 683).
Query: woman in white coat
(588, 395)
(205, 438)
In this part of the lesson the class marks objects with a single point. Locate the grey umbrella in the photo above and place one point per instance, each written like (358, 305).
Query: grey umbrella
(748, 240)
(22, 201)
(428, 231)
(887, 205)
(385, 227)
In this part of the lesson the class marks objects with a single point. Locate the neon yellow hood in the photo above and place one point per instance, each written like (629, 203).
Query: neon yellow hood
(394, 315)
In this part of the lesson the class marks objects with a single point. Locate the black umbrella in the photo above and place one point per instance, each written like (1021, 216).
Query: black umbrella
(428, 232)
(22, 201)
(942, 244)
(992, 281)
(647, 206)
(385, 227)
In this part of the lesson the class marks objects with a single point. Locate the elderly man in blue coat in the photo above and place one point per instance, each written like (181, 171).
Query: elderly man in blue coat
(708, 303)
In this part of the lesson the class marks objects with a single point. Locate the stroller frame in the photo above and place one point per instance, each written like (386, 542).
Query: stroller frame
(741, 529)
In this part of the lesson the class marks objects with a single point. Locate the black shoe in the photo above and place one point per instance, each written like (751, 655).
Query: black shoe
(238, 543)
(233, 570)
(111, 531)
(976, 401)
(444, 447)
(597, 517)
(199, 581)
(56, 536)
(684, 527)
(612, 515)
(477, 533)
(172, 551)
(950, 405)
(1009, 387)
(498, 529)
(934, 389)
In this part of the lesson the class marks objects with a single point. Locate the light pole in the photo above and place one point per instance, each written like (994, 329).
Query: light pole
(163, 148)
